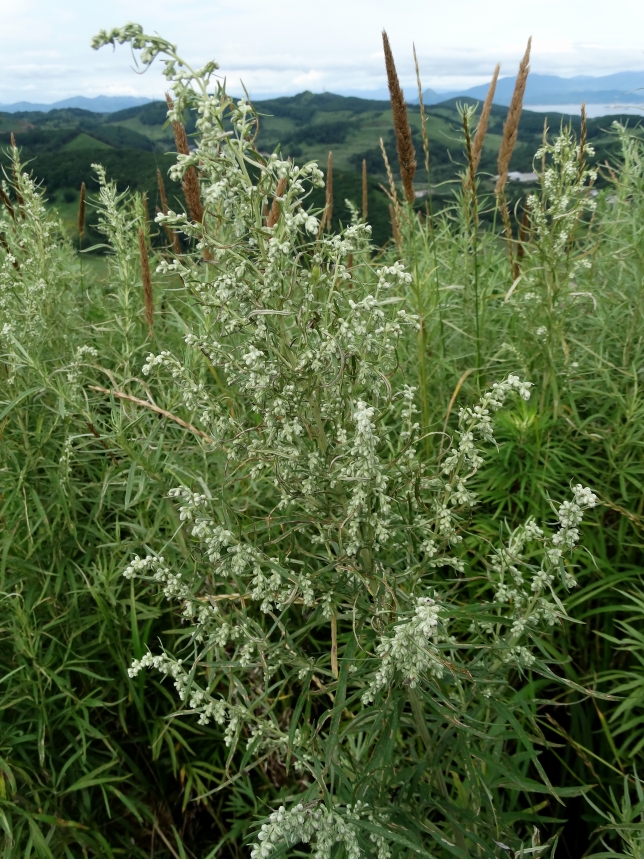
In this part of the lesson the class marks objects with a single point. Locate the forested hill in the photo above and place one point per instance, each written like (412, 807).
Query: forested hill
(132, 143)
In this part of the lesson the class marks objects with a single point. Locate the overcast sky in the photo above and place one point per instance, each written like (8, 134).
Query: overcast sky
(291, 45)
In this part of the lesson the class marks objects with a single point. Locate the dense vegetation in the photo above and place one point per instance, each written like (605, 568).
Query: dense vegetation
(309, 446)
(133, 143)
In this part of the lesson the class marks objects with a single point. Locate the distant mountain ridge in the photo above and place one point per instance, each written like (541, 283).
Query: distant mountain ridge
(622, 87)
(97, 104)
(619, 88)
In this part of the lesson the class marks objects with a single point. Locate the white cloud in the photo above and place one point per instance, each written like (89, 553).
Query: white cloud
(293, 46)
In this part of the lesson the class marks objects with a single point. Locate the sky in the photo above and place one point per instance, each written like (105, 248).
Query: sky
(286, 46)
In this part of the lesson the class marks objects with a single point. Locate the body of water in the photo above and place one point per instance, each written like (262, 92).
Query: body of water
(592, 110)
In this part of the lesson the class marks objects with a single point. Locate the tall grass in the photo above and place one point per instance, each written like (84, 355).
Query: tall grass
(324, 671)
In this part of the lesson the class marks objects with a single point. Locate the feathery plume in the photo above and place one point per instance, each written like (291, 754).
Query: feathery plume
(510, 131)
(406, 153)
(172, 236)
(190, 181)
(147, 282)
(481, 129)
(511, 124)
(365, 191)
(81, 212)
(274, 214)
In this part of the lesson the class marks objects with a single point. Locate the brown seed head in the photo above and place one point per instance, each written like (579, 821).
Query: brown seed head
(481, 129)
(180, 136)
(162, 195)
(406, 153)
(274, 214)
(584, 126)
(190, 181)
(511, 125)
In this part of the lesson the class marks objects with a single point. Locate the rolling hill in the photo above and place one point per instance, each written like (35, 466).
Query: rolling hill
(62, 144)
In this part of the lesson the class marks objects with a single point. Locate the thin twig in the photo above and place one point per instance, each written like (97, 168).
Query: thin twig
(153, 407)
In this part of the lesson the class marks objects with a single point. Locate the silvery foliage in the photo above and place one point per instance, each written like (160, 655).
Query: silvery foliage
(566, 180)
(34, 260)
(327, 528)
(556, 263)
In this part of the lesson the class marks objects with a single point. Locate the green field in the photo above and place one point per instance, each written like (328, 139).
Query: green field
(62, 145)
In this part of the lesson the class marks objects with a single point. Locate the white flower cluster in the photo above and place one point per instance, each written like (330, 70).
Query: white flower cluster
(83, 353)
(34, 262)
(322, 828)
(570, 514)
(303, 825)
(411, 651)
(524, 593)
(565, 184)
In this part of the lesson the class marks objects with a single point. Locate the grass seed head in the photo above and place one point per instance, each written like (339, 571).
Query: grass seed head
(511, 125)
(481, 129)
(406, 152)
(190, 181)
(274, 214)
